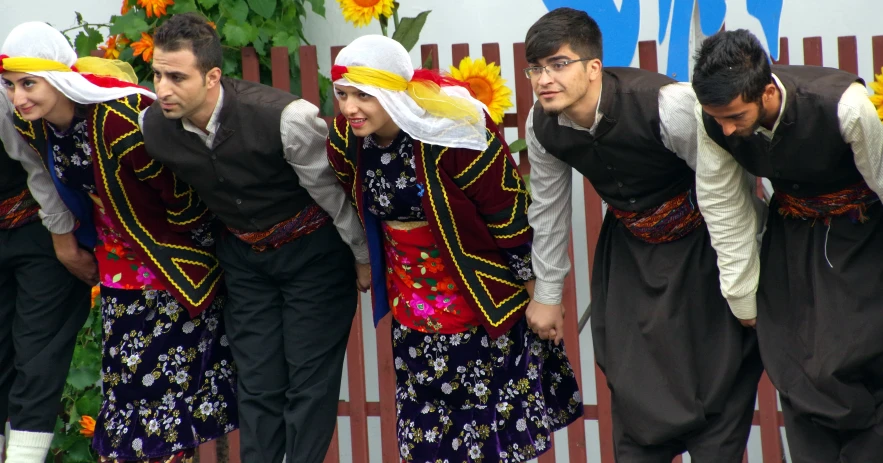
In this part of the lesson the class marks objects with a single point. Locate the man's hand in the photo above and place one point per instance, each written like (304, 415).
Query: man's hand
(547, 321)
(78, 261)
(748, 323)
(363, 277)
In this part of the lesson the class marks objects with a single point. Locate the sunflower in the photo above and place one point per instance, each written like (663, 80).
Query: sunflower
(87, 426)
(112, 46)
(486, 84)
(877, 97)
(360, 12)
(144, 47)
(155, 7)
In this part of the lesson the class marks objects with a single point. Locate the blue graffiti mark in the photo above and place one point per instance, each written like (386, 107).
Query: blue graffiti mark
(711, 18)
(768, 12)
(619, 26)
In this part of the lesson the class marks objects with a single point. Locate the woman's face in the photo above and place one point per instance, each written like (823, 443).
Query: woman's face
(365, 114)
(33, 97)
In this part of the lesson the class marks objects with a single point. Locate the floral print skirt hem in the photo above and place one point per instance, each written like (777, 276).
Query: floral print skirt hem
(169, 379)
(180, 457)
(468, 398)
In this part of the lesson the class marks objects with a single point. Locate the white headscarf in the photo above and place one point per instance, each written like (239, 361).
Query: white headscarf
(385, 54)
(39, 40)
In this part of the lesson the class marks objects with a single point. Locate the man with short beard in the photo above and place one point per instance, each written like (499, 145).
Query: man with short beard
(682, 371)
(814, 289)
(256, 156)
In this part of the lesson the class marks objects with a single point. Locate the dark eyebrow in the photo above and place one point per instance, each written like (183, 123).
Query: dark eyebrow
(170, 73)
(734, 116)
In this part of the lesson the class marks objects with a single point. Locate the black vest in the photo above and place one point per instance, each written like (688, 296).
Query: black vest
(13, 178)
(807, 155)
(626, 161)
(244, 178)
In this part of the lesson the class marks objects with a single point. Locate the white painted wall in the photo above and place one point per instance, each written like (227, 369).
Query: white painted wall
(505, 22)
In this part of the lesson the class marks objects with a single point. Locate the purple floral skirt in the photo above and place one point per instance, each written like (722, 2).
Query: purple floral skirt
(169, 380)
(468, 398)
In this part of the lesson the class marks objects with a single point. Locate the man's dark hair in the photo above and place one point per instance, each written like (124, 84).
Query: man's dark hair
(564, 26)
(730, 64)
(191, 31)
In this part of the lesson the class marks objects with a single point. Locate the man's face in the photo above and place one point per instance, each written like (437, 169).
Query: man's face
(180, 86)
(562, 85)
(739, 117)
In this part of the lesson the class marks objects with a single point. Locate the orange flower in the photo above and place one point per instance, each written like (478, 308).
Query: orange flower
(125, 8)
(144, 47)
(434, 264)
(214, 26)
(155, 7)
(87, 426)
(96, 293)
(111, 48)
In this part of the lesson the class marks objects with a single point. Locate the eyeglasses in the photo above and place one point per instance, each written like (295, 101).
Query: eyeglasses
(534, 72)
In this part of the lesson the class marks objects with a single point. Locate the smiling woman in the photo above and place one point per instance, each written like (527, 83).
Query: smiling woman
(164, 347)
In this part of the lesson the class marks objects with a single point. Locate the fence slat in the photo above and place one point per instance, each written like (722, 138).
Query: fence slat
(427, 52)
(458, 52)
(783, 52)
(335, 50)
(576, 432)
(877, 46)
(523, 100)
(812, 51)
(251, 69)
(233, 448)
(770, 437)
(208, 452)
(387, 387)
(309, 81)
(847, 54)
(333, 454)
(355, 354)
(647, 58)
(280, 71)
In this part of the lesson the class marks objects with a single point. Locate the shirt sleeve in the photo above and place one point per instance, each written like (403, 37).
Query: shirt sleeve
(550, 217)
(54, 213)
(727, 201)
(677, 121)
(861, 128)
(303, 140)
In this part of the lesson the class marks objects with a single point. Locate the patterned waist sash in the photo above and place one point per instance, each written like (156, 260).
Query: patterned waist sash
(852, 201)
(670, 221)
(302, 224)
(18, 211)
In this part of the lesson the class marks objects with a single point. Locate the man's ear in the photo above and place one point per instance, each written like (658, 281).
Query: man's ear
(213, 77)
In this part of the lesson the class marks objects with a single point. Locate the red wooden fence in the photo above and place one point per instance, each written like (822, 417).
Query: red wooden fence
(358, 409)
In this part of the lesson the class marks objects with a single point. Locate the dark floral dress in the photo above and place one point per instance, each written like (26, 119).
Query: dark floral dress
(168, 379)
(460, 395)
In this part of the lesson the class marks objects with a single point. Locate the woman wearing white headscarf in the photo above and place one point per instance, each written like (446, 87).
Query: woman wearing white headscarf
(444, 211)
(168, 380)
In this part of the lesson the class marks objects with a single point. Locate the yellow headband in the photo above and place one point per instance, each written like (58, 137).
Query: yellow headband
(426, 93)
(88, 65)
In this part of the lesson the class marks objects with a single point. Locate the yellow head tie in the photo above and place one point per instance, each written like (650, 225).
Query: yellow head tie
(425, 93)
(88, 65)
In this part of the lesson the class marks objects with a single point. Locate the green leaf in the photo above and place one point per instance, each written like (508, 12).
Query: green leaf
(80, 452)
(517, 146)
(236, 36)
(81, 378)
(408, 31)
(236, 10)
(87, 356)
(208, 3)
(90, 403)
(131, 24)
(183, 6)
(87, 41)
(428, 63)
(265, 8)
(318, 7)
(79, 18)
(284, 39)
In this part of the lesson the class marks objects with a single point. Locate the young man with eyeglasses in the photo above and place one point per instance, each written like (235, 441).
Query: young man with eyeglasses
(814, 285)
(682, 370)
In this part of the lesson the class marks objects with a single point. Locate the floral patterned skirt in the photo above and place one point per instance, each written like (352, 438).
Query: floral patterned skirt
(468, 398)
(169, 380)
